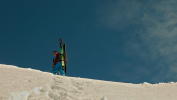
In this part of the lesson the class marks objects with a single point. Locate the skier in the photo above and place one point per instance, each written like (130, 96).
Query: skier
(57, 65)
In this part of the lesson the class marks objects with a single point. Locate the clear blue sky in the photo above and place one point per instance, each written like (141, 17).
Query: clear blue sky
(116, 40)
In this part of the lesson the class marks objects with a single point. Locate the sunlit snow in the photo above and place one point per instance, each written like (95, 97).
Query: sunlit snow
(28, 84)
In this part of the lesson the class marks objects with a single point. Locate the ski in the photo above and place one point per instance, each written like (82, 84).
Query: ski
(65, 57)
(63, 54)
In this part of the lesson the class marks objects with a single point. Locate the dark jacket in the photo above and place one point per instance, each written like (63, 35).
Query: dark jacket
(57, 58)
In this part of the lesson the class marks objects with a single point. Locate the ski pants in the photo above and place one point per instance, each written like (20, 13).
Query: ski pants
(58, 70)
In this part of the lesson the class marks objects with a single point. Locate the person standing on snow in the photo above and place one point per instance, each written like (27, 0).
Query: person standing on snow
(57, 65)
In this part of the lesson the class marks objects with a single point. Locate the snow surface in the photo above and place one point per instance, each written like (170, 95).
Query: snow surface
(28, 84)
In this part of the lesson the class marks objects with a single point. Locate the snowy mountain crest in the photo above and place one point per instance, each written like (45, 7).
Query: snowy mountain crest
(28, 84)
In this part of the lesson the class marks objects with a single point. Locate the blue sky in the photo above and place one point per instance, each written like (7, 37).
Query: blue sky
(115, 40)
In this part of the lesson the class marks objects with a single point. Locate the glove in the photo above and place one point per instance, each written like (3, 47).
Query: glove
(53, 65)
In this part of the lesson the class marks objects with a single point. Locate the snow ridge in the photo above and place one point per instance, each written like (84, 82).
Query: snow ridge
(28, 84)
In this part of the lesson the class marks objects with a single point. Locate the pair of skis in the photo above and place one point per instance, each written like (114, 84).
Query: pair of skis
(62, 48)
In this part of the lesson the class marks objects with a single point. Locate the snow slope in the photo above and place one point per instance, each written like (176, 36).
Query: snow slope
(27, 84)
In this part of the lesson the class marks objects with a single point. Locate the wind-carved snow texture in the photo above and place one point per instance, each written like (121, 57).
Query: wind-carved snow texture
(64, 88)
(34, 94)
(27, 84)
